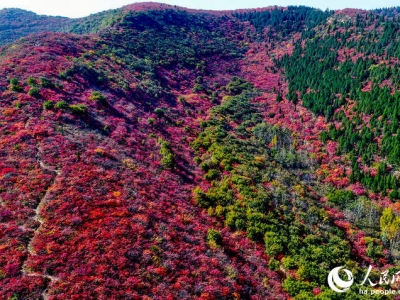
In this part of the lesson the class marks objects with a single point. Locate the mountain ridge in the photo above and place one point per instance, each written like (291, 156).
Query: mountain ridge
(38, 23)
(170, 154)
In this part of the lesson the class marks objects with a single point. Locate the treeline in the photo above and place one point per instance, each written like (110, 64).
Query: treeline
(285, 21)
(253, 188)
(325, 84)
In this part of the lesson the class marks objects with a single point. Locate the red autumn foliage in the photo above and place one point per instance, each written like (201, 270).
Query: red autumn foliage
(88, 210)
(91, 214)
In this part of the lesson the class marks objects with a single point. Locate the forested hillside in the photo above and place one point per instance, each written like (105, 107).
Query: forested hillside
(17, 23)
(155, 152)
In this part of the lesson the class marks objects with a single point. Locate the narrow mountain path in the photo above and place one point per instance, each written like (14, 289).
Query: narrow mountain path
(45, 199)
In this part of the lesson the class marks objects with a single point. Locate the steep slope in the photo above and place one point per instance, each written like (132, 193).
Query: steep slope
(82, 155)
(357, 57)
(192, 155)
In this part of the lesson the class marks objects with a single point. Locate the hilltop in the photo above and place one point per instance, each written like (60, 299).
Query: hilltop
(161, 152)
(16, 23)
